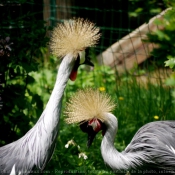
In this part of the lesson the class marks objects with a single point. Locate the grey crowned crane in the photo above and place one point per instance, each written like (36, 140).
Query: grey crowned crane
(152, 149)
(34, 150)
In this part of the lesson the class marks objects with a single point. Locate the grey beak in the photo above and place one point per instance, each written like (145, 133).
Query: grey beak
(91, 133)
(91, 136)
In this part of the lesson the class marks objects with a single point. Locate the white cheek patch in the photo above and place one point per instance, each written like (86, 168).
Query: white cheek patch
(82, 56)
(95, 125)
(171, 149)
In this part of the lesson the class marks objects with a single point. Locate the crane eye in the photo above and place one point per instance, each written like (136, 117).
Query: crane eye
(82, 56)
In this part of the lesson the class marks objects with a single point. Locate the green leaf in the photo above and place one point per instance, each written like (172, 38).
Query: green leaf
(170, 63)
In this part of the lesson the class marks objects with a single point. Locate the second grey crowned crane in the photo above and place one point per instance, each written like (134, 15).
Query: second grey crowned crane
(152, 149)
(34, 150)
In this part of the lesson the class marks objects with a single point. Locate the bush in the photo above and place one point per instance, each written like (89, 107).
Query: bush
(21, 42)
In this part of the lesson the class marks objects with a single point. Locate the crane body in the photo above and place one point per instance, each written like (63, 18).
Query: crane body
(34, 150)
(152, 148)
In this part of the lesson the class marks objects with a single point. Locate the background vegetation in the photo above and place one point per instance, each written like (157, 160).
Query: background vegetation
(28, 73)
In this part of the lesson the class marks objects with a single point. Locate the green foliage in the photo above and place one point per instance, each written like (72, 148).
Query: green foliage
(20, 52)
(146, 9)
(165, 39)
(170, 63)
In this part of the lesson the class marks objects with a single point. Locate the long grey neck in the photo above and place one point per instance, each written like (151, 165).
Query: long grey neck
(52, 111)
(46, 129)
(115, 159)
(36, 147)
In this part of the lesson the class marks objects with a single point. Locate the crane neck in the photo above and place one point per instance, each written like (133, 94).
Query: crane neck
(52, 111)
(112, 127)
(115, 159)
(63, 74)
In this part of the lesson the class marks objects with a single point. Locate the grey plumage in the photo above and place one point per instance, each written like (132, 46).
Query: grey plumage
(157, 139)
(152, 148)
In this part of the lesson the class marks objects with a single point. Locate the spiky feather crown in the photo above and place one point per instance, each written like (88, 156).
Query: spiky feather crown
(87, 104)
(73, 36)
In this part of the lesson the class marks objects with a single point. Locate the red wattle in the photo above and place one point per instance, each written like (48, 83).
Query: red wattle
(96, 125)
(73, 75)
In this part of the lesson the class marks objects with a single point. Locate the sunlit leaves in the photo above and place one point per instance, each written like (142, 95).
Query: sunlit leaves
(170, 63)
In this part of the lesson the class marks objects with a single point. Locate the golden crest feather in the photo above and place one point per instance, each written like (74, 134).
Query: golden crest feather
(87, 104)
(72, 36)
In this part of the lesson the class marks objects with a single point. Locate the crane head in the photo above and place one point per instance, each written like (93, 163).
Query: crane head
(92, 127)
(82, 58)
(73, 37)
(88, 107)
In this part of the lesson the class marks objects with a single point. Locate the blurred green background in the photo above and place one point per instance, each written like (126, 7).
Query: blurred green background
(28, 72)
